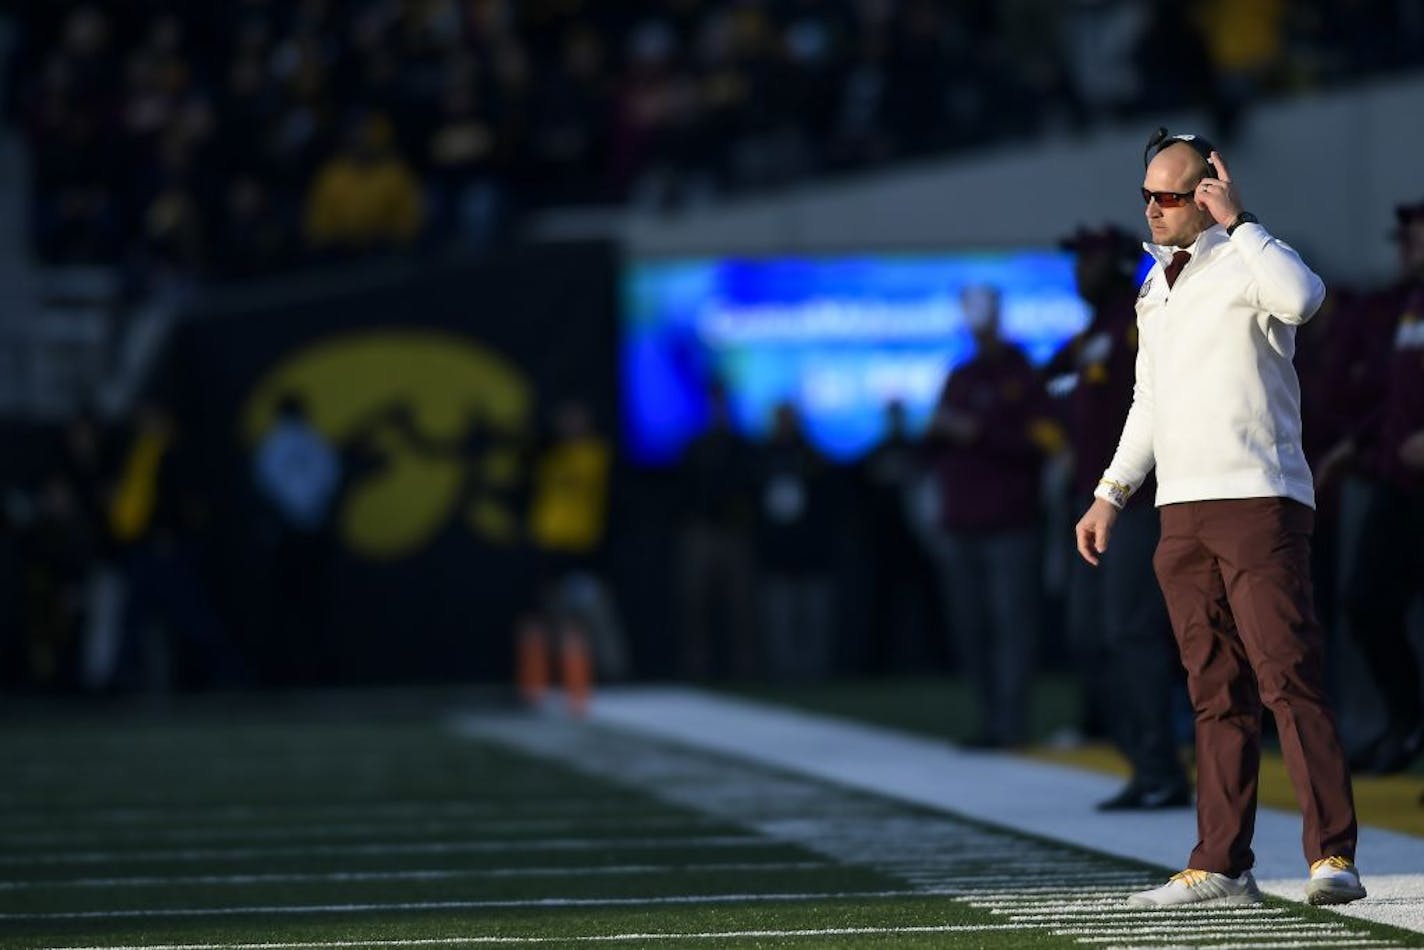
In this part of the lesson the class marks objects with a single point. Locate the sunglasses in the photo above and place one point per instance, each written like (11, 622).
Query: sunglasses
(1167, 199)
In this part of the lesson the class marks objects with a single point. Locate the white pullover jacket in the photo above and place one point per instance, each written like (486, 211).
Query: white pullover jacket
(1216, 402)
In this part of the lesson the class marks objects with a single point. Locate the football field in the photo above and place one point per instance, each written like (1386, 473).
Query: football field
(666, 819)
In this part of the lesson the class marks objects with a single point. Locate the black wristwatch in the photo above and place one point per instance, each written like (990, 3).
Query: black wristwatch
(1244, 217)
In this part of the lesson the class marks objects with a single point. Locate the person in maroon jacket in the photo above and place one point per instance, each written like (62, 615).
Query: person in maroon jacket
(1117, 620)
(1387, 571)
(988, 438)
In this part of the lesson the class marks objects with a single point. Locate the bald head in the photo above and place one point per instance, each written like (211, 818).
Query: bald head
(1181, 160)
(1177, 168)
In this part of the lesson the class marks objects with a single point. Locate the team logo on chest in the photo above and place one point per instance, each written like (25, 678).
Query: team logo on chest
(1146, 286)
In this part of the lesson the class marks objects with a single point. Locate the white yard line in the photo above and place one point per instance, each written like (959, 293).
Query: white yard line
(140, 818)
(149, 913)
(136, 855)
(433, 874)
(578, 938)
(354, 829)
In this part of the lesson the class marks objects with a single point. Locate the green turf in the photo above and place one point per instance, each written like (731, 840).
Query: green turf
(195, 824)
(231, 812)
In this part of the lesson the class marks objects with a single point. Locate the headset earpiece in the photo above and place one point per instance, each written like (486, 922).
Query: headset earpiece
(1161, 139)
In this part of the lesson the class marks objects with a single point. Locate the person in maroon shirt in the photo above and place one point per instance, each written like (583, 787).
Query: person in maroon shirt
(1117, 620)
(988, 438)
(1388, 570)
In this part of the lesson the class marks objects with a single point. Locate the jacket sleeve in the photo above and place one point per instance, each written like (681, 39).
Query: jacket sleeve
(1285, 287)
(1134, 457)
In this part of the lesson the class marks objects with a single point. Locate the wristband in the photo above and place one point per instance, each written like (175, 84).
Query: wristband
(1113, 492)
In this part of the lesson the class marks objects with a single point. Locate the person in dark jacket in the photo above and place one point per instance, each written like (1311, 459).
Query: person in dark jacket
(898, 574)
(1386, 573)
(1117, 620)
(715, 570)
(989, 436)
(795, 543)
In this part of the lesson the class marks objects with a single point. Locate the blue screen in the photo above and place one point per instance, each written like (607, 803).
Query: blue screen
(840, 337)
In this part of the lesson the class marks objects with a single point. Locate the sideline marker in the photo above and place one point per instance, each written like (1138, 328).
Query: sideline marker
(531, 662)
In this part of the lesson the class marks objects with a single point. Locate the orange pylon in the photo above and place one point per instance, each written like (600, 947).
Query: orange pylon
(576, 663)
(531, 662)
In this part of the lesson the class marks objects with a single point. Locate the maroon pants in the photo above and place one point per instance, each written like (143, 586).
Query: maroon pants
(1236, 578)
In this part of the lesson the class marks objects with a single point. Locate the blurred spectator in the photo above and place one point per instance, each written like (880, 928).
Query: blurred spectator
(463, 154)
(989, 436)
(568, 519)
(365, 197)
(252, 237)
(897, 568)
(571, 121)
(1100, 40)
(1172, 57)
(1323, 410)
(716, 613)
(795, 547)
(13, 629)
(87, 464)
(1117, 619)
(57, 551)
(157, 515)
(1246, 43)
(67, 111)
(297, 472)
(1386, 575)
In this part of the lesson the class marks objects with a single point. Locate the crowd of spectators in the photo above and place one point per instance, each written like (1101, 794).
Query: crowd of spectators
(213, 140)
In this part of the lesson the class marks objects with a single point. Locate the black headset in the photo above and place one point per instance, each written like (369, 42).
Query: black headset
(1161, 139)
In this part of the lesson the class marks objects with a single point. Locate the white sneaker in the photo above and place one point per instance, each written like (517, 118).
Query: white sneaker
(1334, 880)
(1200, 887)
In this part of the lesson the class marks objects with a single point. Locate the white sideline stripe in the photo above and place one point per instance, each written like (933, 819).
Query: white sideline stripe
(584, 938)
(1035, 798)
(410, 875)
(1038, 798)
(422, 847)
(678, 900)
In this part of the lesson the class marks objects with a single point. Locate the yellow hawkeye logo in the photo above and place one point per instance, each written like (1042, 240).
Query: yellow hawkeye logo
(429, 426)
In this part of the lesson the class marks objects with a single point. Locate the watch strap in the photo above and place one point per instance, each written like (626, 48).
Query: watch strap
(1244, 217)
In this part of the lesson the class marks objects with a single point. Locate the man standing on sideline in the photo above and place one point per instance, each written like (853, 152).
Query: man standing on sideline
(1216, 409)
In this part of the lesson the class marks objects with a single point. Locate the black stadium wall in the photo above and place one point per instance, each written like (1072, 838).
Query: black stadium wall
(434, 383)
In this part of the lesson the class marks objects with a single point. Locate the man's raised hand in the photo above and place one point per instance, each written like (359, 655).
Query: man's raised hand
(1218, 195)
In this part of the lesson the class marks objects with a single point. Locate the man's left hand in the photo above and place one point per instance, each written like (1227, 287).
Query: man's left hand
(1218, 195)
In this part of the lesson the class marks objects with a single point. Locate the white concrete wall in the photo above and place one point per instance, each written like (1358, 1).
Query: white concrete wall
(1323, 172)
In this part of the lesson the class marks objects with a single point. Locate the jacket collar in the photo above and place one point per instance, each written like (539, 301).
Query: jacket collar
(1206, 242)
